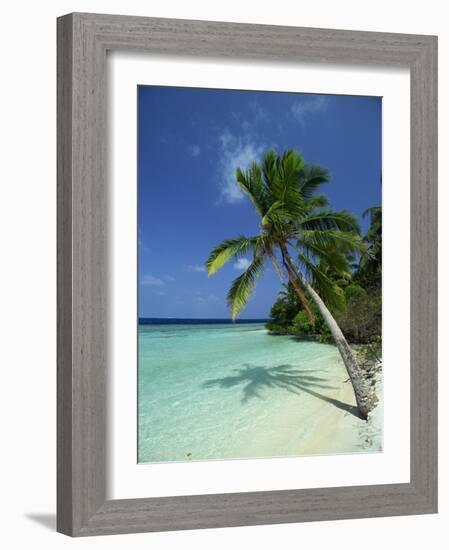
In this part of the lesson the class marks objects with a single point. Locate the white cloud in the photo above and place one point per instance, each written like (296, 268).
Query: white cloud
(195, 150)
(241, 264)
(197, 268)
(306, 106)
(238, 118)
(169, 278)
(260, 114)
(152, 281)
(235, 152)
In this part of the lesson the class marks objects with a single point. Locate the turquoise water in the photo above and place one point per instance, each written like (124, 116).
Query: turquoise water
(229, 391)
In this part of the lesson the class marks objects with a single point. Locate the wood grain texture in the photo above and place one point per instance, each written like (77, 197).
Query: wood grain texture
(64, 277)
(83, 40)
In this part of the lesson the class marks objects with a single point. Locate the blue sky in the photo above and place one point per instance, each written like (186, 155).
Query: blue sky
(190, 143)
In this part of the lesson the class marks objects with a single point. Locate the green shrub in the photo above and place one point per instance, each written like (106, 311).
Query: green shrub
(360, 319)
(302, 325)
(324, 334)
(361, 322)
(354, 292)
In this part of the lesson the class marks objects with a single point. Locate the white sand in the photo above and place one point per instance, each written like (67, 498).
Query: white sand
(339, 431)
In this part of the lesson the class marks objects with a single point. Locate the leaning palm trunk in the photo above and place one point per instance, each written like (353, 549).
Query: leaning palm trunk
(365, 398)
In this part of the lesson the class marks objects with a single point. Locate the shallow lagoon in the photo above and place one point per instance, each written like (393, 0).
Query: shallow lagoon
(225, 391)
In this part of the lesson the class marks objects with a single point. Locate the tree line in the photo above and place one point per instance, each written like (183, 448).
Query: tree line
(358, 312)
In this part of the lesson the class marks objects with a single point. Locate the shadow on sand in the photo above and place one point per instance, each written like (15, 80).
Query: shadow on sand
(257, 379)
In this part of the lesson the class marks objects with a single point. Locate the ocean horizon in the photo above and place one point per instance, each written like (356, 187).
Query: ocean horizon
(196, 321)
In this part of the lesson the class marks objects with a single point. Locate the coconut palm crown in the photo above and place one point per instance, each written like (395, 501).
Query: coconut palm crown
(295, 221)
(292, 216)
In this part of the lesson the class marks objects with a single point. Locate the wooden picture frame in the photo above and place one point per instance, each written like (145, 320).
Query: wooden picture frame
(83, 40)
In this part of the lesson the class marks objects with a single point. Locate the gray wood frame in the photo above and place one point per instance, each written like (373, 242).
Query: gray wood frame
(83, 40)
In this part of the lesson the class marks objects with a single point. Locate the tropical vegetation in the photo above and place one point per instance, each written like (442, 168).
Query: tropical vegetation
(310, 246)
(359, 315)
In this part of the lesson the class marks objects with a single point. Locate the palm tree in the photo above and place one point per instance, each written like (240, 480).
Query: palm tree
(293, 217)
(372, 260)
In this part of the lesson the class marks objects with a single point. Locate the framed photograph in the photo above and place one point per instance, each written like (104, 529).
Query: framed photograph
(247, 274)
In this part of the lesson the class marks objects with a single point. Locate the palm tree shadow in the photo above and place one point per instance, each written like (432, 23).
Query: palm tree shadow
(257, 379)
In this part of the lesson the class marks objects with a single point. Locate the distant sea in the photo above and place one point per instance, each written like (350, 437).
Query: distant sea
(170, 321)
(213, 389)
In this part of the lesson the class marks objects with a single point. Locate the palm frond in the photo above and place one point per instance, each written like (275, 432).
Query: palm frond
(289, 167)
(251, 183)
(374, 213)
(281, 178)
(312, 177)
(269, 172)
(277, 214)
(328, 240)
(228, 249)
(329, 291)
(242, 287)
(329, 256)
(318, 201)
(328, 219)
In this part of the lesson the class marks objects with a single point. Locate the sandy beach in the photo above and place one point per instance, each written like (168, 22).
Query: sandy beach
(325, 423)
(338, 430)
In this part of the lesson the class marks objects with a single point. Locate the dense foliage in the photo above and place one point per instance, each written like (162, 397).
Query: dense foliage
(359, 314)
